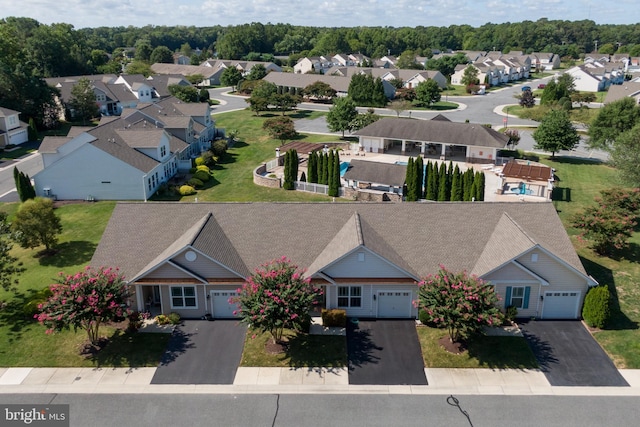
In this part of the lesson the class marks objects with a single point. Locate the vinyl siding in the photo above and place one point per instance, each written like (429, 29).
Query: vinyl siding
(372, 266)
(369, 307)
(509, 272)
(168, 271)
(88, 171)
(204, 267)
(188, 313)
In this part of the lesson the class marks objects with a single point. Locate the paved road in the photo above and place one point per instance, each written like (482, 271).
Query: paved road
(31, 165)
(368, 410)
(478, 109)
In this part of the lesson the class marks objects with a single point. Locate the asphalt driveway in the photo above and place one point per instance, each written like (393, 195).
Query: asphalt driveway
(385, 352)
(202, 352)
(568, 354)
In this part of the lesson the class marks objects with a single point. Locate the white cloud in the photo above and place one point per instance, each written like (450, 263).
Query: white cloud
(329, 13)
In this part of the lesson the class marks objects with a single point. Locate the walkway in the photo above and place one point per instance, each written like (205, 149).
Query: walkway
(299, 381)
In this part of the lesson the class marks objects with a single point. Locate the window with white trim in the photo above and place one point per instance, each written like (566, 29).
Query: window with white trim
(517, 296)
(183, 297)
(349, 296)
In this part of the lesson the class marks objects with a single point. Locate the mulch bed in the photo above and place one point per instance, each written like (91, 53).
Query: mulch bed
(452, 347)
(275, 348)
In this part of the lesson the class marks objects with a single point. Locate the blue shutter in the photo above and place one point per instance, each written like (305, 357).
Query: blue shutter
(527, 292)
(507, 297)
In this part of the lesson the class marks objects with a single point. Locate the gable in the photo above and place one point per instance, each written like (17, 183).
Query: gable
(187, 264)
(362, 263)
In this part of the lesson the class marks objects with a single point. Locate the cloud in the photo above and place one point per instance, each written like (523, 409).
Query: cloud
(325, 13)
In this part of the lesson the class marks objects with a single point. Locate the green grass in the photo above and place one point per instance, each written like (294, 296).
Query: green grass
(579, 182)
(481, 352)
(23, 341)
(233, 176)
(303, 351)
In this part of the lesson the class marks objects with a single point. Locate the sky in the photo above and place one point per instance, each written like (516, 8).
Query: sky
(320, 13)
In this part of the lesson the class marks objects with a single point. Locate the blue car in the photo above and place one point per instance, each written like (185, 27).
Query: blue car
(526, 88)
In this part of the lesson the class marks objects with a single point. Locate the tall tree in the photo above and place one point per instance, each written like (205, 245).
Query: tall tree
(341, 115)
(37, 224)
(410, 181)
(231, 76)
(613, 119)
(625, 155)
(161, 54)
(456, 185)
(261, 96)
(419, 179)
(428, 92)
(334, 184)
(83, 100)
(556, 133)
(312, 168)
(9, 268)
(470, 76)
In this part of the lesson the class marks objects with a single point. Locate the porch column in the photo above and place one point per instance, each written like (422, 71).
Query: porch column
(139, 298)
(404, 146)
(443, 152)
(423, 146)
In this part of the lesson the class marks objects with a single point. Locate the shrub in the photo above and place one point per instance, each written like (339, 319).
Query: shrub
(195, 182)
(596, 309)
(187, 190)
(202, 175)
(174, 318)
(204, 168)
(40, 297)
(511, 313)
(424, 317)
(162, 319)
(199, 161)
(334, 317)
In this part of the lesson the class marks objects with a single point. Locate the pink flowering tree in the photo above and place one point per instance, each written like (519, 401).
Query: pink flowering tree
(276, 297)
(85, 300)
(461, 303)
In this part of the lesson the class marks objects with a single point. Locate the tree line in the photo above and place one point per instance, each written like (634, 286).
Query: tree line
(442, 183)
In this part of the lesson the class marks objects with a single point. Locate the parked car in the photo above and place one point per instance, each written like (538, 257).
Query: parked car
(526, 88)
(542, 86)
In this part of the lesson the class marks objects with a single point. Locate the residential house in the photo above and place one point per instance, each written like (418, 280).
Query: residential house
(314, 64)
(338, 83)
(344, 60)
(410, 78)
(545, 61)
(359, 59)
(588, 79)
(368, 175)
(115, 93)
(617, 92)
(472, 142)
(190, 258)
(487, 73)
(12, 130)
(211, 75)
(126, 157)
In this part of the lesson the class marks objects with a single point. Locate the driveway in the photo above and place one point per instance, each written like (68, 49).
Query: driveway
(569, 356)
(202, 352)
(384, 352)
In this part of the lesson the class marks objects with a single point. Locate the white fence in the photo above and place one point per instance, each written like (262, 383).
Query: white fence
(272, 164)
(316, 188)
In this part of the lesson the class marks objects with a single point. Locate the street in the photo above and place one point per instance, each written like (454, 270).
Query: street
(370, 410)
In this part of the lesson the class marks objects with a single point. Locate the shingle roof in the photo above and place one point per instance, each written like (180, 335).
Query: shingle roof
(417, 237)
(338, 83)
(376, 172)
(438, 131)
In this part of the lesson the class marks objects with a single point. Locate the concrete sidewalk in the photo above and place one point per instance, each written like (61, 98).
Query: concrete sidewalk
(299, 381)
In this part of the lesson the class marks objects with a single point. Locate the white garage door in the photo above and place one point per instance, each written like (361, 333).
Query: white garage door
(560, 305)
(394, 304)
(220, 306)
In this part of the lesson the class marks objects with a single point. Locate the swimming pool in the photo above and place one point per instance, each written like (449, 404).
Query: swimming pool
(343, 167)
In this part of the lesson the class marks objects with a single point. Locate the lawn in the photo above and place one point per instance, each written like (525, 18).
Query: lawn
(482, 352)
(23, 341)
(303, 351)
(233, 177)
(578, 182)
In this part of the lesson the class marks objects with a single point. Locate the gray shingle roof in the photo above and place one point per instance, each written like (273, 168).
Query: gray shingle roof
(417, 237)
(469, 134)
(376, 172)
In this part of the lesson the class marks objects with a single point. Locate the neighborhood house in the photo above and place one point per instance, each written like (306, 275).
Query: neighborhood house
(368, 257)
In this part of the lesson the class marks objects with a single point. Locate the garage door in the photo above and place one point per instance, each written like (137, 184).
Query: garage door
(561, 305)
(220, 306)
(394, 304)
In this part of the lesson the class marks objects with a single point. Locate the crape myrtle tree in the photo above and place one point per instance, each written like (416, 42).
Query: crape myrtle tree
(460, 303)
(85, 300)
(276, 297)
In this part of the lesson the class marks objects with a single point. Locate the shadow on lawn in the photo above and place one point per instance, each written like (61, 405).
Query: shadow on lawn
(502, 352)
(18, 313)
(133, 349)
(618, 320)
(316, 351)
(70, 253)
